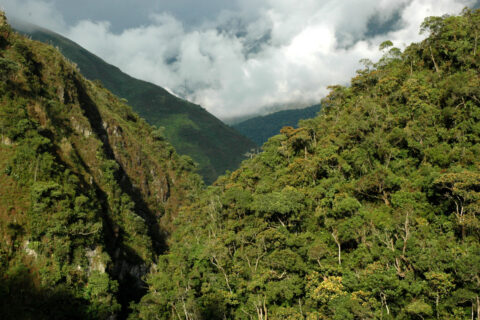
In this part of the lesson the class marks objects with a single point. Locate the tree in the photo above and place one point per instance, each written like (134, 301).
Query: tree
(441, 284)
(463, 189)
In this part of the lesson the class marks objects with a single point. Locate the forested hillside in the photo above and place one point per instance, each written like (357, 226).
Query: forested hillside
(369, 211)
(260, 129)
(87, 190)
(188, 127)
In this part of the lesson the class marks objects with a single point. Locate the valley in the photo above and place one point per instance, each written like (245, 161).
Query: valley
(367, 209)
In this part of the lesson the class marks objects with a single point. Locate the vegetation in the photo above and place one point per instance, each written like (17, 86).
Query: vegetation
(260, 129)
(369, 211)
(87, 190)
(188, 127)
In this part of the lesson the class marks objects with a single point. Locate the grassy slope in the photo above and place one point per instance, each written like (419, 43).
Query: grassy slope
(190, 128)
(259, 129)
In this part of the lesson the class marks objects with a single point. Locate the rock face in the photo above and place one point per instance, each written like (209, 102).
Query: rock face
(6, 141)
(84, 180)
(29, 251)
(95, 260)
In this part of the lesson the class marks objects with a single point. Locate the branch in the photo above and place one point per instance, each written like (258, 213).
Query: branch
(214, 261)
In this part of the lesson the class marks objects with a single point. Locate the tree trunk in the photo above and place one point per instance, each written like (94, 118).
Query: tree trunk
(36, 170)
(473, 311)
(476, 42)
(219, 267)
(185, 310)
(433, 59)
(405, 237)
(385, 198)
(265, 309)
(335, 237)
(383, 298)
(176, 312)
(478, 308)
(460, 216)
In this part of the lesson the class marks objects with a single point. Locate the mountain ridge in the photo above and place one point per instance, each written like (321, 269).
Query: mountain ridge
(371, 210)
(88, 191)
(259, 129)
(193, 131)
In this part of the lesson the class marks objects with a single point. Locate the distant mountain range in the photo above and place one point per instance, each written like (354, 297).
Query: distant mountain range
(259, 129)
(193, 131)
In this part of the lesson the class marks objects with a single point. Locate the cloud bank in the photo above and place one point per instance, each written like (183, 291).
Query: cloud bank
(261, 54)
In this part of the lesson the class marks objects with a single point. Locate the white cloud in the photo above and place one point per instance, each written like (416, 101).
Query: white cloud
(269, 52)
(42, 13)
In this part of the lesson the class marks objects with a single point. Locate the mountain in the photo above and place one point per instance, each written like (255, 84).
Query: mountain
(371, 210)
(260, 129)
(191, 129)
(88, 190)
(368, 211)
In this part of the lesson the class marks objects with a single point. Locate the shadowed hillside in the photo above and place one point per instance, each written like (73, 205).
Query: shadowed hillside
(260, 129)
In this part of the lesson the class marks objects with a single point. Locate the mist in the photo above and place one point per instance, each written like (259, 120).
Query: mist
(244, 57)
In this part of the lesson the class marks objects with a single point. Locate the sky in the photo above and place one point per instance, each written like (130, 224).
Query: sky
(237, 57)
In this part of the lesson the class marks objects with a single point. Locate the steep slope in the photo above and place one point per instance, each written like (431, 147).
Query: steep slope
(260, 129)
(369, 211)
(191, 129)
(87, 190)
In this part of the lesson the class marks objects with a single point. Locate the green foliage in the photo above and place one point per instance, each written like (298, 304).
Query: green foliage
(368, 211)
(419, 309)
(8, 68)
(385, 44)
(84, 184)
(101, 291)
(20, 298)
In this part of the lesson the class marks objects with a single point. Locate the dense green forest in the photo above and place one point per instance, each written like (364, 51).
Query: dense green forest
(88, 190)
(188, 127)
(260, 129)
(368, 211)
